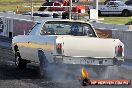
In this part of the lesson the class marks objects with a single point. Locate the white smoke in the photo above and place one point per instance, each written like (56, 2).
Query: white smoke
(111, 72)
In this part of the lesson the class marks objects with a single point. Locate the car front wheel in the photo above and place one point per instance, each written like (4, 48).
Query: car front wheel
(19, 62)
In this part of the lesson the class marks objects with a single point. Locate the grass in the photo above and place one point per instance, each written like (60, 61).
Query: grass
(111, 19)
(19, 0)
(117, 20)
(91, 2)
(11, 5)
(10, 0)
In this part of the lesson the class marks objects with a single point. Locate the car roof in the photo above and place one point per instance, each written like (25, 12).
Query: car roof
(115, 1)
(63, 20)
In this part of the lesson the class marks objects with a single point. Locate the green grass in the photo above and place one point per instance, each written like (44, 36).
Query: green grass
(90, 2)
(117, 20)
(19, 0)
(112, 19)
(10, 5)
(10, 0)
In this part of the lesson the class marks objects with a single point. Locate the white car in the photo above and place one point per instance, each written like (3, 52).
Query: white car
(66, 42)
(115, 8)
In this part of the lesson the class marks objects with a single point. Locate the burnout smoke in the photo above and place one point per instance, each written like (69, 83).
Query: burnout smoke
(61, 73)
(109, 73)
(67, 73)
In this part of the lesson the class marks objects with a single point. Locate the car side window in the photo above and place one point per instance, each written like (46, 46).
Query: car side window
(34, 30)
(87, 31)
(113, 4)
(47, 30)
(43, 30)
(108, 3)
(55, 29)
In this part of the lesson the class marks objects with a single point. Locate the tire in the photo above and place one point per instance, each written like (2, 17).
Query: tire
(99, 13)
(125, 13)
(19, 62)
(43, 64)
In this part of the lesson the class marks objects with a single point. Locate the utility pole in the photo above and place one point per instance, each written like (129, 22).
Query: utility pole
(31, 8)
(70, 10)
(97, 4)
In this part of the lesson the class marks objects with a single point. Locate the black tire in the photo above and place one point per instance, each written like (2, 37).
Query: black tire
(125, 13)
(19, 62)
(43, 64)
(99, 13)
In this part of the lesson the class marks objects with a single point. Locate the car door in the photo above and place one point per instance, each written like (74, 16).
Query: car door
(104, 10)
(43, 42)
(23, 43)
(27, 45)
(114, 9)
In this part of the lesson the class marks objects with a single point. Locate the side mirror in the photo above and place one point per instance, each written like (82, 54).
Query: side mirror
(27, 32)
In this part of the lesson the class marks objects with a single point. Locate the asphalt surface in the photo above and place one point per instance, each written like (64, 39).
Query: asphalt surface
(10, 77)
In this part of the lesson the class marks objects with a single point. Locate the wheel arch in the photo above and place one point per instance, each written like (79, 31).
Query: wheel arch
(16, 48)
(125, 10)
(40, 49)
(41, 53)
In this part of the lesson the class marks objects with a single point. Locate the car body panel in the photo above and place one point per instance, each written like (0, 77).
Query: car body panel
(81, 47)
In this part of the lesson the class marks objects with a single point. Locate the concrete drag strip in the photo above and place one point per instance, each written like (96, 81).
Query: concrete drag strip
(125, 70)
(5, 45)
(127, 64)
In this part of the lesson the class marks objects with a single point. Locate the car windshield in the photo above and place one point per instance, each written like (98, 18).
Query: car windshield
(67, 28)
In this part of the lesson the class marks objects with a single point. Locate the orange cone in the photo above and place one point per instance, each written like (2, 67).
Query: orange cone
(17, 9)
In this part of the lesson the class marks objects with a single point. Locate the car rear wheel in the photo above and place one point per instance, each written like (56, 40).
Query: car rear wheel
(19, 62)
(99, 13)
(43, 63)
